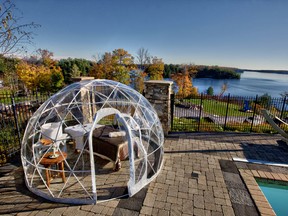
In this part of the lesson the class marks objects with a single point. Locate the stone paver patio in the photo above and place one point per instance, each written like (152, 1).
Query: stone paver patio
(198, 178)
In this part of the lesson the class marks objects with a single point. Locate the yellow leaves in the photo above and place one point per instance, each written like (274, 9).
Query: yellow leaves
(121, 74)
(38, 76)
(156, 69)
(122, 57)
(27, 74)
(114, 66)
(43, 77)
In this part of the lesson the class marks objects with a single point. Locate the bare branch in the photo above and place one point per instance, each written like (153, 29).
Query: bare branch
(143, 57)
(14, 36)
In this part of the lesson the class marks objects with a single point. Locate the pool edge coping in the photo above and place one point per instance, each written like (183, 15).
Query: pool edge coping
(256, 193)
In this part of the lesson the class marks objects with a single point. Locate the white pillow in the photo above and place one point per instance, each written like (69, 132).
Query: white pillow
(117, 134)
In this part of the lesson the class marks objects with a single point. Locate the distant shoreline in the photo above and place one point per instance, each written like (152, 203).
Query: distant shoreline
(265, 71)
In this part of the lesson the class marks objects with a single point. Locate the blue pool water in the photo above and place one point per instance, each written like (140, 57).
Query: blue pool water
(277, 195)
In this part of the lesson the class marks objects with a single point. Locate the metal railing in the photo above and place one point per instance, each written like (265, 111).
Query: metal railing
(188, 114)
(15, 111)
(226, 113)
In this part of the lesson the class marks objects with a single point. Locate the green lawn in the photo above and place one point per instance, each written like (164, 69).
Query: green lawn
(218, 107)
(183, 124)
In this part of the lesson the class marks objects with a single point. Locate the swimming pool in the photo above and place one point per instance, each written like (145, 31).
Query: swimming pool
(276, 193)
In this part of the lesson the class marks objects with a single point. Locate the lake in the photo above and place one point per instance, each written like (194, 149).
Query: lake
(250, 84)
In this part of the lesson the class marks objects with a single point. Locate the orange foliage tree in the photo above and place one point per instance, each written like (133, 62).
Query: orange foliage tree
(184, 83)
(137, 80)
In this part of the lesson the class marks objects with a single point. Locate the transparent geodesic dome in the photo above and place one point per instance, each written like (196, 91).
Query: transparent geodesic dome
(93, 141)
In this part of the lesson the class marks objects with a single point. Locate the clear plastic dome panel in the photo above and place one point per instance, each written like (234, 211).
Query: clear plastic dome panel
(93, 141)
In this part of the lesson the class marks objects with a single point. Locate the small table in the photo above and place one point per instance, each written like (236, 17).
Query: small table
(46, 161)
(77, 132)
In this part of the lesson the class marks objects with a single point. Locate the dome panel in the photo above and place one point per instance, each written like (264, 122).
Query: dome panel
(92, 141)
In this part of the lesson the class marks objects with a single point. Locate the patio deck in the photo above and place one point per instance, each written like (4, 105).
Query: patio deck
(198, 178)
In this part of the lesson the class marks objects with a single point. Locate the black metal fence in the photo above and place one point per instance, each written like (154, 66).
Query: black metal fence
(15, 111)
(188, 114)
(228, 113)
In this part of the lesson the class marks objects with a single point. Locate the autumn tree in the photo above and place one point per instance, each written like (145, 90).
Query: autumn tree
(184, 83)
(156, 69)
(28, 74)
(44, 57)
(41, 57)
(51, 71)
(122, 57)
(43, 75)
(137, 78)
(43, 79)
(14, 35)
(104, 68)
(123, 63)
(114, 66)
(97, 71)
(56, 77)
(121, 74)
(39, 77)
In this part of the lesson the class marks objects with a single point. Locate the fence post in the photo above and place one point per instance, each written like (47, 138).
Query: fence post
(226, 114)
(37, 100)
(283, 107)
(16, 119)
(254, 112)
(172, 109)
(200, 113)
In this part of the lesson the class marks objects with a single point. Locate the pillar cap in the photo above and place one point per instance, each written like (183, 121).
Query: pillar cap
(166, 82)
(78, 79)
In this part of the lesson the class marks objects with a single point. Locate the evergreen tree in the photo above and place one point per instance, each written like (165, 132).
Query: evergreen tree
(75, 72)
(210, 91)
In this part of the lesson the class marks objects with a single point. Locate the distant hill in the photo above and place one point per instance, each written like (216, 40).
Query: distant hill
(216, 72)
(265, 71)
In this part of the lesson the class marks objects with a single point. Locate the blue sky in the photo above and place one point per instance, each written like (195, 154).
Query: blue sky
(239, 33)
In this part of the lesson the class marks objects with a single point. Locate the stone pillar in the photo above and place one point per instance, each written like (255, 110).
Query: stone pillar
(88, 110)
(158, 93)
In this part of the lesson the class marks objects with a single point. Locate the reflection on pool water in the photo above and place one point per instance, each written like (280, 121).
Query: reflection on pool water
(276, 193)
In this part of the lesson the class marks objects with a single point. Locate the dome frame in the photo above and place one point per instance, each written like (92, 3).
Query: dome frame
(75, 115)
